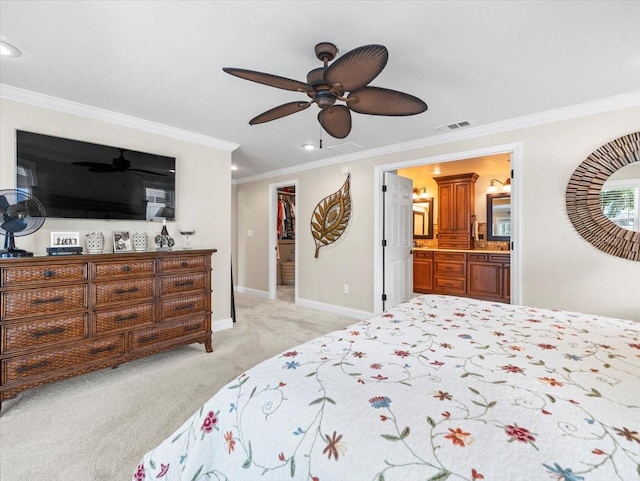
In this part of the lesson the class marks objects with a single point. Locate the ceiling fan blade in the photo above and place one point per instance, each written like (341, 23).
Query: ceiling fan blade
(142, 171)
(336, 121)
(96, 166)
(357, 68)
(380, 101)
(279, 111)
(270, 80)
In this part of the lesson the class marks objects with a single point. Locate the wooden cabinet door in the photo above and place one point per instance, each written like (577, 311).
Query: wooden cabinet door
(422, 275)
(506, 283)
(463, 210)
(485, 280)
(445, 208)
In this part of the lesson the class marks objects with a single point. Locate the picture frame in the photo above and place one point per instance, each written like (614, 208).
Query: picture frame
(65, 239)
(122, 241)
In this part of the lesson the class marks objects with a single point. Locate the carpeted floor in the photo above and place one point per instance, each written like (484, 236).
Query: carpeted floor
(96, 427)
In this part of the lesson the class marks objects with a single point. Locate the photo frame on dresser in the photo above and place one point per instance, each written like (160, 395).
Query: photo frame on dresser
(122, 241)
(65, 239)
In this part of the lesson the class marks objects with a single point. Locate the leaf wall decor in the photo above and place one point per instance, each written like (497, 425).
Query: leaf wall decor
(331, 216)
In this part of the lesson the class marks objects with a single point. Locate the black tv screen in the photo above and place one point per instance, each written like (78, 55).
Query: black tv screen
(82, 180)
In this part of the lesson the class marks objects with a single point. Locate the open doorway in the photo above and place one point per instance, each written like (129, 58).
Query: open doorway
(442, 165)
(283, 272)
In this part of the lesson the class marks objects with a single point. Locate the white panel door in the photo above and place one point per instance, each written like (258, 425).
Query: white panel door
(398, 234)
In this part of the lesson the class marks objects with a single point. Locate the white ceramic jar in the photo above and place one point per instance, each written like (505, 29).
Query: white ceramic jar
(95, 243)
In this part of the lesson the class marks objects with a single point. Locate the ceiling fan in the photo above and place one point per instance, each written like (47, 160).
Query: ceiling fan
(119, 164)
(346, 80)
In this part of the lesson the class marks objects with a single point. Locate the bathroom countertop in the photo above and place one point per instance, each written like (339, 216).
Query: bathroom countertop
(477, 251)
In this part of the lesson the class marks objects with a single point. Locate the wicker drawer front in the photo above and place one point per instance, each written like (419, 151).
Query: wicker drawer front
(180, 263)
(183, 283)
(123, 291)
(137, 267)
(107, 321)
(13, 276)
(50, 331)
(48, 300)
(149, 337)
(47, 361)
(182, 306)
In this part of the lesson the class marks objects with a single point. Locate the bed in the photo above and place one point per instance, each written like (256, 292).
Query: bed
(438, 388)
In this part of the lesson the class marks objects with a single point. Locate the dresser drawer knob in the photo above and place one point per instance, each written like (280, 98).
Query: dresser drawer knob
(185, 307)
(192, 329)
(47, 332)
(150, 337)
(126, 291)
(126, 269)
(98, 350)
(130, 317)
(31, 367)
(184, 263)
(37, 302)
(183, 283)
(48, 274)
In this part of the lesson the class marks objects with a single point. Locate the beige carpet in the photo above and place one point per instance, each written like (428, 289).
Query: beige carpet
(96, 427)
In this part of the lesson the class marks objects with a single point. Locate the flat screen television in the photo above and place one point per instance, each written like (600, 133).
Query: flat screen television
(82, 180)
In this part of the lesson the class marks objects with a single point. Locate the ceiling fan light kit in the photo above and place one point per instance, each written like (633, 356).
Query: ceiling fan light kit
(350, 74)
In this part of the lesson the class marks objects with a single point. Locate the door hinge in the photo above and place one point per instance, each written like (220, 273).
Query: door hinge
(512, 245)
(384, 188)
(384, 242)
(384, 297)
(512, 173)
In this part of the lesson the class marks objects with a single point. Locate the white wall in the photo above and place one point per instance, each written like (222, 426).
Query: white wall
(198, 168)
(559, 269)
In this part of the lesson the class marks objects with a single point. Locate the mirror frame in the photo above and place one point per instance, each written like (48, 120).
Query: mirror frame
(490, 236)
(583, 198)
(429, 219)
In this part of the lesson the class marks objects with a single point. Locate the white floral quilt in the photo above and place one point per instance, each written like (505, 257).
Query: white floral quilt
(438, 388)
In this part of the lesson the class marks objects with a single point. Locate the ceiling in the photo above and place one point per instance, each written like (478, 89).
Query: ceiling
(161, 61)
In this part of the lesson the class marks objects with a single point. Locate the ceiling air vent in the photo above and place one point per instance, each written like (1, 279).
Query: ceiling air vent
(453, 126)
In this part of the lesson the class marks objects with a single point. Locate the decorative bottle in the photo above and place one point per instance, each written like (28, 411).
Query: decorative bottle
(164, 240)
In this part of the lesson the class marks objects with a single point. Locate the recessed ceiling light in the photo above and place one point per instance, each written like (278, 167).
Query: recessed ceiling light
(234, 167)
(308, 146)
(7, 50)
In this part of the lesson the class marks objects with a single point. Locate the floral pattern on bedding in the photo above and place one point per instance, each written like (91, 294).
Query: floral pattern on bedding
(438, 388)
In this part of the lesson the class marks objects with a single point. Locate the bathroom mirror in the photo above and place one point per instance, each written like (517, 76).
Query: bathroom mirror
(499, 217)
(423, 218)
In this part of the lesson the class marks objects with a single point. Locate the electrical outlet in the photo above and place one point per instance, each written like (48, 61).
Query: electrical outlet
(345, 288)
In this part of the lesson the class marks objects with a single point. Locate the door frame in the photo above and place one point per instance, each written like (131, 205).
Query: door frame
(515, 151)
(273, 237)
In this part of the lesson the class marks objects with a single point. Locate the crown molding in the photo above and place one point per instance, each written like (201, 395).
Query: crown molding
(631, 99)
(41, 100)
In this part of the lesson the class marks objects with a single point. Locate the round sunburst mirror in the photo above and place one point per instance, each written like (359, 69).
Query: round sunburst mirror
(584, 198)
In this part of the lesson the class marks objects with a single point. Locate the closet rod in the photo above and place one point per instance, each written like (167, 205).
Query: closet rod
(287, 193)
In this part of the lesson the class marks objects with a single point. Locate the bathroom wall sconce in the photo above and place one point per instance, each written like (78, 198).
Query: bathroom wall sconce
(506, 186)
(420, 193)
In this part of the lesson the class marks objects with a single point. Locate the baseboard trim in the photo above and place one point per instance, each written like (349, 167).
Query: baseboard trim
(222, 324)
(340, 310)
(253, 292)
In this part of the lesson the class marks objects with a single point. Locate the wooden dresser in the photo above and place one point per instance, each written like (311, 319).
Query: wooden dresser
(61, 316)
